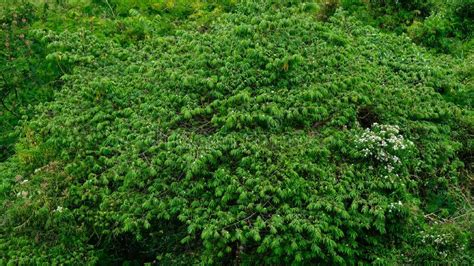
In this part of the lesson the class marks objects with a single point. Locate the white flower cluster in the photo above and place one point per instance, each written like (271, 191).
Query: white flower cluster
(438, 239)
(382, 142)
(394, 206)
(441, 241)
(59, 209)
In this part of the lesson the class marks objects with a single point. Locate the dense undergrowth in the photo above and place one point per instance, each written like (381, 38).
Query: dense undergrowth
(232, 132)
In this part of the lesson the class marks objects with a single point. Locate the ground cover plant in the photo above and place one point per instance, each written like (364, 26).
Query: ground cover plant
(231, 132)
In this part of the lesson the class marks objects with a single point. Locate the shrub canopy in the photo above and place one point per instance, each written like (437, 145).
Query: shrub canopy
(265, 137)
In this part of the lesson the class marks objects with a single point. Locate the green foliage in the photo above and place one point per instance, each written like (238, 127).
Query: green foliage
(25, 77)
(390, 15)
(193, 132)
(444, 26)
(448, 29)
(420, 6)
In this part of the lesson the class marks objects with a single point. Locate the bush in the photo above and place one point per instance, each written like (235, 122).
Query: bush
(268, 137)
(443, 26)
(446, 29)
(463, 16)
(25, 78)
(421, 6)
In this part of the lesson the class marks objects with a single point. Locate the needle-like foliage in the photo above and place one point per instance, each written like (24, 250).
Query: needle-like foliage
(264, 136)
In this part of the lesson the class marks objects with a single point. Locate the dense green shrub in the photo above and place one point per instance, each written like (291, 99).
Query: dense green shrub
(448, 29)
(25, 78)
(443, 26)
(265, 137)
(391, 15)
(422, 6)
(463, 13)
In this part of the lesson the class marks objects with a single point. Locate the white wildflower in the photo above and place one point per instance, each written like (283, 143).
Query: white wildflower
(382, 142)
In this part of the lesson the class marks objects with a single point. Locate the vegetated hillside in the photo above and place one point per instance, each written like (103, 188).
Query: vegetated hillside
(264, 136)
